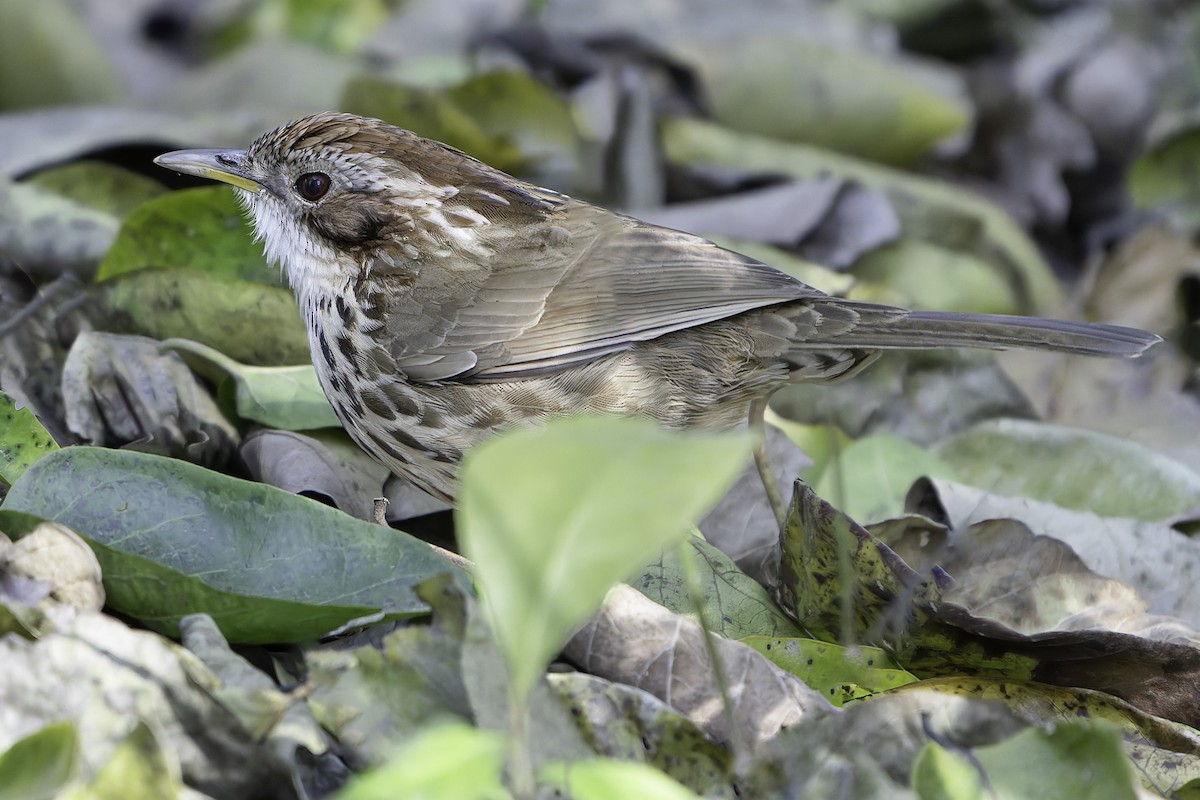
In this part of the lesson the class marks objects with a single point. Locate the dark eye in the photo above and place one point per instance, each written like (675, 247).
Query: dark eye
(312, 186)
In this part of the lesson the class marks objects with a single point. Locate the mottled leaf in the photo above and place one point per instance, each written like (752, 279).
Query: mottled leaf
(619, 721)
(23, 440)
(840, 674)
(638, 642)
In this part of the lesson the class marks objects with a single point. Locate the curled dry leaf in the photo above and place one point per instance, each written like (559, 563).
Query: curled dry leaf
(1126, 549)
(1032, 583)
(887, 602)
(638, 642)
(831, 221)
(108, 677)
(325, 466)
(122, 390)
(54, 555)
(619, 721)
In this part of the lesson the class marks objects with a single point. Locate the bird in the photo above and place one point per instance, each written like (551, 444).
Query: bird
(446, 301)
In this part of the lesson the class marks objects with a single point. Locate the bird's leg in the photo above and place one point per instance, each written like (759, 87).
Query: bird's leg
(379, 509)
(758, 427)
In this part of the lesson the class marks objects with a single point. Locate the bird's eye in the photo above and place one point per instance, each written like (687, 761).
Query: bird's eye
(312, 186)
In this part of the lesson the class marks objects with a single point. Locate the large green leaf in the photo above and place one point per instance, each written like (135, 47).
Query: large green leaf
(935, 278)
(1073, 468)
(99, 185)
(828, 95)
(173, 539)
(245, 320)
(48, 57)
(201, 228)
(553, 517)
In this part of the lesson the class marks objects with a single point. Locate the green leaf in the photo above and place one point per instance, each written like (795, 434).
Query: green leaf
(606, 779)
(936, 278)
(99, 185)
(23, 440)
(940, 774)
(40, 227)
(247, 321)
(521, 110)
(869, 479)
(446, 762)
(38, 766)
(173, 539)
(1072, 468)
(430, 113)
(204, 229)
(138, 770)
(49, 57)
(831, 96)
(339, 26)
(838, 673)
(735, 605)
(160, 596)
(1164, 179)
(553, 517)
(287, 398)
(1073, 761)
(941, 214)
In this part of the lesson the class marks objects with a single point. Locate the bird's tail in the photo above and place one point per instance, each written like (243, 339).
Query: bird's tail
(883, 328)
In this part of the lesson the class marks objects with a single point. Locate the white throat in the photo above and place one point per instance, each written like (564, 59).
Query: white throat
(311, 266)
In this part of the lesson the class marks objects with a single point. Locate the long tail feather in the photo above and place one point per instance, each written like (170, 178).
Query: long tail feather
(931, 329)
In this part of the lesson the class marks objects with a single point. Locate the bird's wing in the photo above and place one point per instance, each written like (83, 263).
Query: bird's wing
(592, 285)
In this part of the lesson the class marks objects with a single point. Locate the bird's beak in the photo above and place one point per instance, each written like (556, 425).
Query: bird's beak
(227, 166)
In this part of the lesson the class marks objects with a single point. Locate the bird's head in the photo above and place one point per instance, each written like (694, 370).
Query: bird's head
(333, 194)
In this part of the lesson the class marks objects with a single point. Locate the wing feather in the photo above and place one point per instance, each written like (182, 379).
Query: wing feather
(591, 283)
